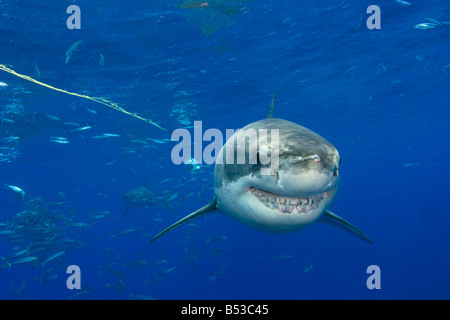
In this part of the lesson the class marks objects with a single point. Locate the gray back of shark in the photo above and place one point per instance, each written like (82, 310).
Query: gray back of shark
(280, 198)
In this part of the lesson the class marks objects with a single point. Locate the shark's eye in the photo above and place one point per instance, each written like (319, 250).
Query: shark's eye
(335, 174)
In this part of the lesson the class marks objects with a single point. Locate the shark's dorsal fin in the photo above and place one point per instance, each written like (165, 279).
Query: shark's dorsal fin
(208, 208)
(333, 219)
(272, 104)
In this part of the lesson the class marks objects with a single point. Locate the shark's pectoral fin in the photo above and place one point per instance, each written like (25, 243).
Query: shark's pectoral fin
(126, 210)
(168, 205)
(333, 219)
(208, 208)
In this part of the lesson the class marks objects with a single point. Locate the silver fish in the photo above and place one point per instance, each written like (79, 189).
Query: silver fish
(19, 193)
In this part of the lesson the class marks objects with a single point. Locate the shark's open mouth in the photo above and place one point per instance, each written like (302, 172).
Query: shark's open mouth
(288, 205)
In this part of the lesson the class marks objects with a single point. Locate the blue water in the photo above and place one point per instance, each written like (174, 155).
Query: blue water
(380, 96)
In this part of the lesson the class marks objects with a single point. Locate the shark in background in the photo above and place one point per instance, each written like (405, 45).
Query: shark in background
(143, 197)
(296, 194)
(139, 197)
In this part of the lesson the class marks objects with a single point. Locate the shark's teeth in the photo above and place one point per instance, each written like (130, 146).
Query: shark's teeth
(288, 205)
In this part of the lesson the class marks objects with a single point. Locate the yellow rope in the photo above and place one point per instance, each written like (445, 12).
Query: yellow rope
(98, 100)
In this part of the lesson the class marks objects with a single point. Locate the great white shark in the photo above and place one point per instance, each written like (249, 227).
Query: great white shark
(297, 193)
(143, 197)
(139, 197)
